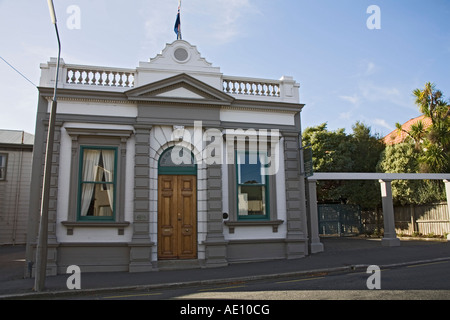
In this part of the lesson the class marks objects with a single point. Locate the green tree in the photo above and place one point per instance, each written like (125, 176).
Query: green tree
(332, 151)
(368, 148)
(432, 104)
(425, 150)
(336, 151)
(404, 158)
(416, 133)
(433, 143)
(367, 151)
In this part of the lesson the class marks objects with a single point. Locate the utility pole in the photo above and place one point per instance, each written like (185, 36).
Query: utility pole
(41, 254)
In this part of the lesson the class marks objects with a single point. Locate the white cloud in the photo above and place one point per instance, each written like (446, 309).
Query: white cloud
(370, 69)
(387, 94)
(374, 92)
(354, 99)
(365, 68)
(369, 91)
(222, 21)
(229, 13)
(159, 21)
(346, 115)
(383, 123)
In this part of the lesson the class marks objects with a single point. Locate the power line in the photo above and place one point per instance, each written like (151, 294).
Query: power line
(18, 72)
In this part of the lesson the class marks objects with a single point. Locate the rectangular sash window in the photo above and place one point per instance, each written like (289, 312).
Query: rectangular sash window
(97, 183)
(252, 185)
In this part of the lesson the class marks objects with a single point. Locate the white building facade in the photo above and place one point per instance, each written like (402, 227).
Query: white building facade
(169, 162)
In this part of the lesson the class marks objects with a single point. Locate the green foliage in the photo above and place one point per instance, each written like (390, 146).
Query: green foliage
(332, 151)
(426, 150)
(434, 142)
(336, 151)
(404, 158)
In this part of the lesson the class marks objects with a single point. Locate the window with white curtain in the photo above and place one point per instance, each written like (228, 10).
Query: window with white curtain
(97, 183)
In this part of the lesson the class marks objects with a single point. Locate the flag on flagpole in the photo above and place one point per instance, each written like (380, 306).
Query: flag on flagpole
(177, 27)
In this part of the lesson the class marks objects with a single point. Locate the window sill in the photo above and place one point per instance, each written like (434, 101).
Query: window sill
(70, 225)
(254, 223)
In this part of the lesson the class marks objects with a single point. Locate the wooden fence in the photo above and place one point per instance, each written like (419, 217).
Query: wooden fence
(425, 220)
(410, 220)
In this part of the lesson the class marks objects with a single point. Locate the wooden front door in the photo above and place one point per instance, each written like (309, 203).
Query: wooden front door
(177, 217)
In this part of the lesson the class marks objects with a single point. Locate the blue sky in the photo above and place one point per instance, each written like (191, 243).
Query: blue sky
(347, 72)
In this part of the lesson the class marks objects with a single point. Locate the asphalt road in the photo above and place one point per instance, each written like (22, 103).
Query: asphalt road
(428, 281)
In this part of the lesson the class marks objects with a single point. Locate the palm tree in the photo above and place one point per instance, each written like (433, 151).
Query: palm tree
(416, 132)
(432, 104)
(436, 144)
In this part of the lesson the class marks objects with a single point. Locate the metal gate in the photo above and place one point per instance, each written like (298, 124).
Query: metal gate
(339, 219)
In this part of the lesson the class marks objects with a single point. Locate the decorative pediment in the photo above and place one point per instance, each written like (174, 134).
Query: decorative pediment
(180, 88)
(181, 54)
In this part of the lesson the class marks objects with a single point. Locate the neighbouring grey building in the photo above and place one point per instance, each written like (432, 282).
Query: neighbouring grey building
(16, 151)
(170, 161)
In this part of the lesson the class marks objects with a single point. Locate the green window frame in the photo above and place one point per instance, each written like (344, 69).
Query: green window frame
(97, 183)
(3, 164)
(252, 187)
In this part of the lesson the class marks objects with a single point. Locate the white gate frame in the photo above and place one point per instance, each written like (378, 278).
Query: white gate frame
(390, 236)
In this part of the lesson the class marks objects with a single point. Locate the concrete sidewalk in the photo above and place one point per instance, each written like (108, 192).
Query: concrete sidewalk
(341, 254)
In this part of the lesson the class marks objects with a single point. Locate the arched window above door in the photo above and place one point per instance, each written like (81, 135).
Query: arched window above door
(177, 161)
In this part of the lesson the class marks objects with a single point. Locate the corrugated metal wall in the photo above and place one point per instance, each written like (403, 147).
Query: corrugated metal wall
(14, 197)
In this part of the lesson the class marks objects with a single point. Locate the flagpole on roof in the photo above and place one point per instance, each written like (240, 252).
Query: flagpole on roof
(179, 25)
(177, 28)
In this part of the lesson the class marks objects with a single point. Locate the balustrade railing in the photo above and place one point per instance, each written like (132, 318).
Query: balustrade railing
(96, 77)
(253, 87)
(82, 75)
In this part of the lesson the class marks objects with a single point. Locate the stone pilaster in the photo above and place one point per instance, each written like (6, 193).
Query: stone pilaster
(215, 244)
(52, 244)
(296, 241)
(141, 244)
